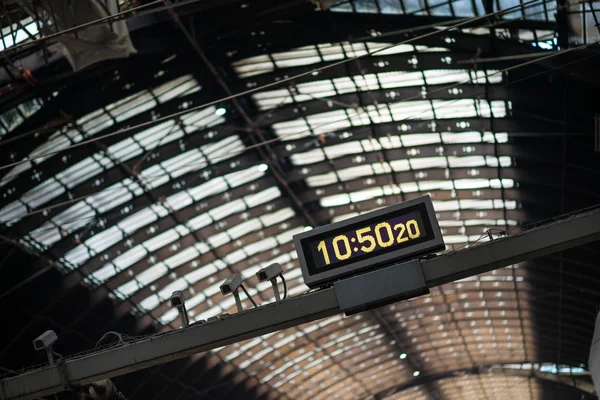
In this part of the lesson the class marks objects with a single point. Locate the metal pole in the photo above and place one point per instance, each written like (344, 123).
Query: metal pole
(238, 303)
(276, 289)
(556, 236)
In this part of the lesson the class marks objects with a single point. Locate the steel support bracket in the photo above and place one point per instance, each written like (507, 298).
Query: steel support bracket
(380, 287)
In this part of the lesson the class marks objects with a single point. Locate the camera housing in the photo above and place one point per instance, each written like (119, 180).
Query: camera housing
(232, 284)
(45, 340)
(270, 272)
(177, 299)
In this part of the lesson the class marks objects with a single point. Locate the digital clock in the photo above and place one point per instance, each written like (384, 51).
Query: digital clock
(378, 238)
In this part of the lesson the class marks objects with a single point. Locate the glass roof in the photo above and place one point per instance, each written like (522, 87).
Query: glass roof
(195, 207)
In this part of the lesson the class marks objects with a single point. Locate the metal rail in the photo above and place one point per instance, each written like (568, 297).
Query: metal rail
(556, 236)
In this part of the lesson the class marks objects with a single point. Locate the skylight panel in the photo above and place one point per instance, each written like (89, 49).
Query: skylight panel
(151, 274)
(127, 289)
(14, 34)
(492, 161)
(113, 196)
(427, 162)
(153, 176)
(201, 273)
(184, 162)
(150, 303)
(16, 171)
(56, 142)
(335, 200)
(129, 258)
(308, 157)
(103, 274)
(266, 195)
(105, 239)
(178, 87)
(75, 216)
(239, 178)
(199, 222)
(435, 185)
(366, 194)
(28, 108)
(482, 183)
(160, 134)
(79, 172)
(46, 235)
(125, 149)
(317, 88)
(418, 109)
(391, 141)
(321, 180)
(400, 165)
(94, 122)
(347, 174)
(261, 245)
(235, 256)
(227, 209)
(398, 49)
(278, 216)
(181, 257)
(400, 79)
(338, 218)
(223, 149)
(340, 150)
(441, 76)
(161, 240)
(253, 66)
(43, 193)
(207, 189)
(286, 237)
(131, 105)
(179, 200)
(219, 239)
(201, 119)
(290, 130)
(11, 119)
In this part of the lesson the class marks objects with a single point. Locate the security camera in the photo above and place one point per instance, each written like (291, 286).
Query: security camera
(178, 301)
(102, 390)
(232, 284)
(270, 273)
(45, 340)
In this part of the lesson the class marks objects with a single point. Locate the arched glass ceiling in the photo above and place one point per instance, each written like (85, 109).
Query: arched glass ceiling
(178, 206)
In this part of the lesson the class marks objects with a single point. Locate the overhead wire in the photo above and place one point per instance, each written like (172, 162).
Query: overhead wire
(272, 84)
(283, 136)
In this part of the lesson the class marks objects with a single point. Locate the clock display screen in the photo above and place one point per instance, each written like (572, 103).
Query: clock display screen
(372, 238)
(369, 240)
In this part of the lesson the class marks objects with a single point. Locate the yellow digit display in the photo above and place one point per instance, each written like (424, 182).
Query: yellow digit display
(362, 241)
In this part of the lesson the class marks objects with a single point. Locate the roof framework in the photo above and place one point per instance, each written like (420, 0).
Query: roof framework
(182, 204)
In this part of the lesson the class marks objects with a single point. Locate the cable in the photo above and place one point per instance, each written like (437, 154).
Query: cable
(117, 334)
(281, 137)
(285, 290)
(272, 84)
(249, 297)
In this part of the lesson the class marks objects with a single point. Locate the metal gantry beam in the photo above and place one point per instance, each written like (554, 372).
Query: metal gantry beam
(564, 233)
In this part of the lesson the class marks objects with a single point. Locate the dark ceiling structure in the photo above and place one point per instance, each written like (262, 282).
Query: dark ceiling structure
(213, 131)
